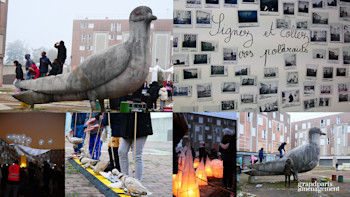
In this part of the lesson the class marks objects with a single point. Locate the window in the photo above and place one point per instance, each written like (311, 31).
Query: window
(296, 127)
(89, 48)
(225, 122)
(270, 123)
(253, 132)
(287, 140)
(209, 119)
(82, 48)
(91, 25)
(338, 120)
(83, 25)
(296, 135)
(309, 125)
(274, 114)
(190, 117)
(328, 141)
(119, 27)
(152, 25)
(218, 122)
(89, 38)
(113, 27)
(82, 59)
(285, 129)
(200, 120)
(342, 129)
(322, 123)
(249, 116)
(263, 134)
(332, 131)
(196, 128)
(278, 126)
(260, 120)
(111, 36)
(3, 1)
(281, 138)
(119, 37)
(328, 122)
(281, 117)
(83, 38)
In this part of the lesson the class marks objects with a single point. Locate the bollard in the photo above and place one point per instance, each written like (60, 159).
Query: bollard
(340, 179)
(334, 177)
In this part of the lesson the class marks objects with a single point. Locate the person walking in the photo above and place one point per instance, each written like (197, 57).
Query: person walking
(29, 63)
(19, 75)
(61, 54)
(261, 154)
(163, 97)
(13, 180)
(280, 148)
(227, 150)
(144, 129)
(44, 64)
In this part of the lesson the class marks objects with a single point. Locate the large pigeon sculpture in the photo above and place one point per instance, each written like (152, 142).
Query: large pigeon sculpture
(114, 72)
(304, 158)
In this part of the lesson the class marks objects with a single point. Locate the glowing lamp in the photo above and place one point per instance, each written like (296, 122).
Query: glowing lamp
(189, 185)
(201, 174)
(208, 168)
(23, 161)
(196, 163)
(218, 168)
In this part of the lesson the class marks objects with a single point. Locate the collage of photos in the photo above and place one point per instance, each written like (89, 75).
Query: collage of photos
(181, 98)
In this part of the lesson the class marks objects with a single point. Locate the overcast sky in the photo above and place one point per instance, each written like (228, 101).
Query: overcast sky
(298, 116)
(42, 23)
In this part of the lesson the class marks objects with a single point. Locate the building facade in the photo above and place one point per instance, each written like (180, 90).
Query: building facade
(334, 146)
(92, 35)
(3, 24)
(262, 130)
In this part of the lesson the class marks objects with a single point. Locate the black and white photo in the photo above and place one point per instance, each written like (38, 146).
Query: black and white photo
(176, 42)
(302, 23)
(319, 54)
(283, 23)
(201, 58)
(326, 89)
(336, 32)
(248, 18)
(228, 105)
(193, 3)
(344, 2)
(229, 87)
(333, 55)
(341, 72)
(320, 19)
(318, 3)
(346, 56)
(309, 88)
(288, 8)
(248, 98)
(290, 60)
(310, 103)
(303, 7)
(269, 7)
(324, 102)
(311, 71)
(344, 13)
(268, 88)
(318, 36)
(249, 1)
(248, 80)
(332, 4)
(343, 87)
(346, 34)
(292, 78)
(191, 73)
(327, 73)
(242, 70)
(189, 42)
(229, 55)
(204, 92)
(209, 46)
(230, 3)
(290, 98)
(203, 18)
(268, 105)
(182, 18)
(181, 59)
(343, 97)
(182, 90)
(212, 3)
(271, 72)
(218, 70)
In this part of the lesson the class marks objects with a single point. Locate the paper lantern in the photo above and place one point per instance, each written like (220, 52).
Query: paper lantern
(23, 161)
(177, 182)
(208, 168)
(196, 163)
(189, 185)
(218, 168)
(201, 174)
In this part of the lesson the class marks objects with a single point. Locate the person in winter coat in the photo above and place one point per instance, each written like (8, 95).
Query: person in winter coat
(163, 96)
(280, 148)
(35, 72)
(144, 128)
(261, 154)
(227, 150)
(154, 94)
(44, 64)
(19, 74)
(61, 54)
(29, 63)
(56, 68)
(169, 89)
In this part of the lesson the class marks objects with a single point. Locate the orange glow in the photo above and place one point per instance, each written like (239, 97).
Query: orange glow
(218, 168)
(23, 161)
(176, 182)
(189, 185)
(196, 163)
(201, 174)
(208, 168)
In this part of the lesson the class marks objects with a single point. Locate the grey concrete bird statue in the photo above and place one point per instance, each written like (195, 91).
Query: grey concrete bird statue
(112, 73)
(303, 158)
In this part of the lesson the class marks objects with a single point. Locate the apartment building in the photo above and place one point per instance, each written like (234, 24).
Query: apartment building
(262, 130)
(334, 146)
(3, 23)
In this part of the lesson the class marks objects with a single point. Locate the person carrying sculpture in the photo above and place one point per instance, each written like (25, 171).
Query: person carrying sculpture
(280, 148)
(154, 94)
(144, 129)
(94, 125)
(19, 75)
(56, 68)
(61, 54)
(29, 63)
(77, 130)
(44, 64)
(163, 97)
(13, 180)
(261, 154)
(227, 149)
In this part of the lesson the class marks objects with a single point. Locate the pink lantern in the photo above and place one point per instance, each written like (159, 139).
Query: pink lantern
(218, 168)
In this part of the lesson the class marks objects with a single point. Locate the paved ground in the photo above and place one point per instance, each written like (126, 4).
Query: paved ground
(157, 174)
(274, 185)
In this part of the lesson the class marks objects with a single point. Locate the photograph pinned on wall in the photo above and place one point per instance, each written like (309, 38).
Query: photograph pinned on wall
(189, 42)
(229, 55)
(344, 2)
(181, 60)
(319, 19)
(324, 102)
(201, 58)
(318, 4)
(203, 18)
(182, 18)
(303, 7)
(250, 1)
(176, 76)
(248, 80)
(336, 32)
(209, 46)
(333, 55)
(191, 108)
(230, 3)
(212, 3)
(309, 88)
(318, 36)
(268, 89)
(271, 72)
(292, 79)
(319, 54)
(268, 105)
(228, 105)
(290, 98)
(283, 23)
(344, 13)
(218, 70)
(346, 34)
(346, 56)
(288, 8)
(182, 90)
(242, 70)
(204, 92)
(249, 98)
(343, 97)
(302, 23)
(342, 72)
(290, 60)
(229, 87)
(311, 71)
(310, 103)
(248, 18)
(269, 7)
(193, 3)
(176, 42)
(211, 108)
(327, 73)
(343, 87)
(332, 4)
(326, 89)
(191, 73)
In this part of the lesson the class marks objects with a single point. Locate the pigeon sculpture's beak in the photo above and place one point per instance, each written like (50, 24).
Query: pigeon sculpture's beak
(151, 17)
(322, 133)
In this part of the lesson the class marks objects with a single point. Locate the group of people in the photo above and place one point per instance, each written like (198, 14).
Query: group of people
(122, 137)
(33, 72)
(164, 93)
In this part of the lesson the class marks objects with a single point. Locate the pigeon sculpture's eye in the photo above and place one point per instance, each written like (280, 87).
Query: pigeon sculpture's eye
(137, 12)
